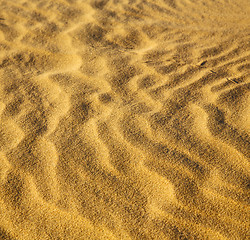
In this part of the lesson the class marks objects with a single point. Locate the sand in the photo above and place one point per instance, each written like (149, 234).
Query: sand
(124, 119)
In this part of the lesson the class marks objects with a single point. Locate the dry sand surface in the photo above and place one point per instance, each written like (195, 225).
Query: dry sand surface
(124, 119)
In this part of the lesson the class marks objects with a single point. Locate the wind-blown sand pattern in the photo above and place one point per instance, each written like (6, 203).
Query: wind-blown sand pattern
(124, 119)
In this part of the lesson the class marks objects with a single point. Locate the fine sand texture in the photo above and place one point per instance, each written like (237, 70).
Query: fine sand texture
(124, 119)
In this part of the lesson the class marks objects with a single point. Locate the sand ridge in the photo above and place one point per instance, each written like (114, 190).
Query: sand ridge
(124, 119)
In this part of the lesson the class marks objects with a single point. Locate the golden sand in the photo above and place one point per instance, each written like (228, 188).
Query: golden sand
(124, 119)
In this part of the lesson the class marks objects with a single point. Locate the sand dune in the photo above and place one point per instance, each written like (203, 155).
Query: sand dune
(124, 119)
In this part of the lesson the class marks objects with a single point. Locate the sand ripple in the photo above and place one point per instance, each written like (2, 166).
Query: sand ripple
(124, 119)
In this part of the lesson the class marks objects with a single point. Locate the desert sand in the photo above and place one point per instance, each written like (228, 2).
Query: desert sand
(124, 119)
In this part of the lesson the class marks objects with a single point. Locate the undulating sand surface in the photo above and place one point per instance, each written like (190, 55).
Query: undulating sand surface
(124, 119)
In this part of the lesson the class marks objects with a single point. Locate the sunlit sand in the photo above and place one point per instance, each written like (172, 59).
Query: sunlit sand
(124, 119)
